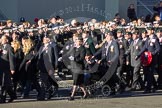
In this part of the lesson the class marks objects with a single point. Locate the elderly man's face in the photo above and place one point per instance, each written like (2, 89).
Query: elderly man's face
(108, 37)
(119, 34)
(126, 36)
(46, 40)
(78, 42)
(149, 32)
(144, 35)
(134, 36)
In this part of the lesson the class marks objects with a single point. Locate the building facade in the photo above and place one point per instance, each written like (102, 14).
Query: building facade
(30, 9)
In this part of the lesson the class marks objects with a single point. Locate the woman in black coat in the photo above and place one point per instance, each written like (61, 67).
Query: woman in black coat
(18, 54)
(77, 60)
(28, 68)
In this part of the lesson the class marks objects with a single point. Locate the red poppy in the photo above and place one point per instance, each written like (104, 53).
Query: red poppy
(146, 58)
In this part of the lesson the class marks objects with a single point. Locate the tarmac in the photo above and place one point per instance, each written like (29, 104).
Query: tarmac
(129, 99)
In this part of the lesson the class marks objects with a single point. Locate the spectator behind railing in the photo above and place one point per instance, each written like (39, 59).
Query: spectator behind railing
(158, 8)
(131, 13)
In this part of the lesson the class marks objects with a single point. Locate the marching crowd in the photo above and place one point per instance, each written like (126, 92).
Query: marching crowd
(30, 54)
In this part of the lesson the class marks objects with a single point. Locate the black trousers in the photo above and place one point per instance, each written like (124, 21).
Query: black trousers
(159, 80)
(6, 86)
(137, 79)
(119, 72)
(149, 77)
(46, 82)
(129, 75)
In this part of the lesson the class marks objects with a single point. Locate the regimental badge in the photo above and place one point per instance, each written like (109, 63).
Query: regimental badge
(59, 43)
(4, 51)
(136, 47)
(46, 50)
(112, 48)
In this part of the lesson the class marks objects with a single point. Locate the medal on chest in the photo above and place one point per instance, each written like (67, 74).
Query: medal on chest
(112, 48)
(137, 47)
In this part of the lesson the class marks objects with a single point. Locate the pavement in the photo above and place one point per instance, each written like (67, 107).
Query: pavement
(129, 99)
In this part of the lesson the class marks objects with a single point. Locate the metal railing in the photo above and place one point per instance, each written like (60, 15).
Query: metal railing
(145, 7)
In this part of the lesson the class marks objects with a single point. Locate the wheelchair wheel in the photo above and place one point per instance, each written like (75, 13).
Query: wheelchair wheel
(106, 90)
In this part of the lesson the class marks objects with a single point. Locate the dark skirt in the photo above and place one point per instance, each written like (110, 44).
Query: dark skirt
(78, 79)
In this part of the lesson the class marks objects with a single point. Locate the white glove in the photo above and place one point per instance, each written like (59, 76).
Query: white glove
(61, 52)
(87, 46)
(67, 47)
(71, 58)
(60, 59)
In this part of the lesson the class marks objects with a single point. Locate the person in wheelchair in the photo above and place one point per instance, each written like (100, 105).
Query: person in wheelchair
(109, 54)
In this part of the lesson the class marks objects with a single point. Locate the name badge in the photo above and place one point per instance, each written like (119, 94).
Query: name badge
(153, 40)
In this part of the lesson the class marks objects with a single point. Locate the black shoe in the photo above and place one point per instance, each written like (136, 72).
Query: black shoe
(53, 93)
(147, 91)
(85, 96)
(71, 98)
(120, 91)
(159, 86)
(40, 99)
(24, 96)
(50, 96)
(128, 89)
(12, 99)
(112, 93)
(2, 100)
(153, 90)
(133, 89)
